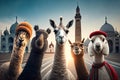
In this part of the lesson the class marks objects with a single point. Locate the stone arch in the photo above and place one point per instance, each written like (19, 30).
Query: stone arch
(10, 40)
(117, 49)
(110, 42)
(10, 48)
(3, 47)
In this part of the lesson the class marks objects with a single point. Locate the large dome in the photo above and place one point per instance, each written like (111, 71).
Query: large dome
(13, 27)
(107, 28)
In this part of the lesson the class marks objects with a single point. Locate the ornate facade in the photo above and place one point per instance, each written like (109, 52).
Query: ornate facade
(113, 37)
(7, 39)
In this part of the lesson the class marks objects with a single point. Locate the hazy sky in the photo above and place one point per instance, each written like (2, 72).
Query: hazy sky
(40, 11)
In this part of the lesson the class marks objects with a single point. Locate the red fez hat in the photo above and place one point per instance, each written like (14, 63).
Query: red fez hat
(25, 26)
(98, 33)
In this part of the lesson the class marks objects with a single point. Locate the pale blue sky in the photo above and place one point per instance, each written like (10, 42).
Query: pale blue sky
(40, 11)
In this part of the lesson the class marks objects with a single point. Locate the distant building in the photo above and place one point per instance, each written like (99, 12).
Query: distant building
(113, 37)
(51, 47)
(7, 39)
(77, 25)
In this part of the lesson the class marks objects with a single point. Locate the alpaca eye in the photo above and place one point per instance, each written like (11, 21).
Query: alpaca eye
(103, 39)
(66, 31)
(55, 31)
(92, 41)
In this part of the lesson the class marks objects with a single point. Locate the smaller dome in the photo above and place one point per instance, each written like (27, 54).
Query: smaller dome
(6, 32)
(51, 45)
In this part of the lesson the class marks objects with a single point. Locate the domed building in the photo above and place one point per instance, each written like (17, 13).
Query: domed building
(7, 39)
(113, 37)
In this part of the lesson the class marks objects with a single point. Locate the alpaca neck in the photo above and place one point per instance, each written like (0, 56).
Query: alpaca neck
(16, 60)
(82, 72)
(98, 59)
(33, 66)
(59, 64)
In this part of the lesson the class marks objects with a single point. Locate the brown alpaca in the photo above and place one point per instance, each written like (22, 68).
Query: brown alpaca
(11, 70)
(39, 45)
(77, 52)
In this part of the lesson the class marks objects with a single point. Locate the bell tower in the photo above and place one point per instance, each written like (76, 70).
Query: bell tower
(77, 25)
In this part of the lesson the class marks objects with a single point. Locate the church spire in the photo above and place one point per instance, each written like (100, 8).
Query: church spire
(105, 19)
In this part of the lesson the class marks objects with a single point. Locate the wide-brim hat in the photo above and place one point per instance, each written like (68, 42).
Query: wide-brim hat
(97, 33)
(26, 27)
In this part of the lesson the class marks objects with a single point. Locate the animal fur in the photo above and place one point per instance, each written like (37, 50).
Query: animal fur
(98, 48)
(39, 45)
(59, 70)
(77, 51)
(11, 70)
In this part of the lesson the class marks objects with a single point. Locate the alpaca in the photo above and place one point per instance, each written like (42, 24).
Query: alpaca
(98, 48)
(77, 52)
(11, 70)
(39, 45)
(59, 70)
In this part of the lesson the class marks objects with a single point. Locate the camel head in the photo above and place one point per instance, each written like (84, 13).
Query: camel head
(23, 34)
(39, 42)
(61, 31)
(77, 48)
(98, 44)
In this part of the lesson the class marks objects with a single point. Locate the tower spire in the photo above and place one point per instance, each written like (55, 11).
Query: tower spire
(105, 19)
(16, 18)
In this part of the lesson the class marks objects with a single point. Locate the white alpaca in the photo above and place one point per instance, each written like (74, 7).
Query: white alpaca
(98, 48)
(11, 70)
(59, 70)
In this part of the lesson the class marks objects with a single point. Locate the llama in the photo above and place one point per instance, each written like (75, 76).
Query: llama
(39, 45)
(98, 48)
(59, 70)
(77, 52)
(11, 70)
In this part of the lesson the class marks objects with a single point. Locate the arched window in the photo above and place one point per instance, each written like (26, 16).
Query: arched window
(3, 39)
(110, 45)
(3, 47)
(117, 49)
(10, 48)
(10, 40)
(26, 50)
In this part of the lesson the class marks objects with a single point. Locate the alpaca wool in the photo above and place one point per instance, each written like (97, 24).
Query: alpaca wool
(25, 26)
(98, 33)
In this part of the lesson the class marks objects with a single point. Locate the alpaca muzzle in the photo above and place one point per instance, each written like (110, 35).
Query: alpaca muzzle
(40, 41)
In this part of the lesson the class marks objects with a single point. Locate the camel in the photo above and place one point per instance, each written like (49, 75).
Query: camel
(98, 48)
(39, 45)
(11, 70)
(77, 52)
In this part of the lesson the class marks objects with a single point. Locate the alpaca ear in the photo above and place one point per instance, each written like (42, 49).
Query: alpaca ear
(69, 24)
(83, 40)
(48, 30)
(36, 27)
(69, 42)
(52, 23)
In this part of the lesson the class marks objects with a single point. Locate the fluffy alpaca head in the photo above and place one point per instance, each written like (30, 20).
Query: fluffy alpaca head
(98, 44)
(24, 26)
(39, 42)
(60, 31)
(23, 34)
(77, 48)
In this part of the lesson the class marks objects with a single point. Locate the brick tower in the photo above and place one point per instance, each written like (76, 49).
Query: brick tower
(77, 25)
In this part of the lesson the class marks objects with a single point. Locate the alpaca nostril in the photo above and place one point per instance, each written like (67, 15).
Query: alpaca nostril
(98, 46)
